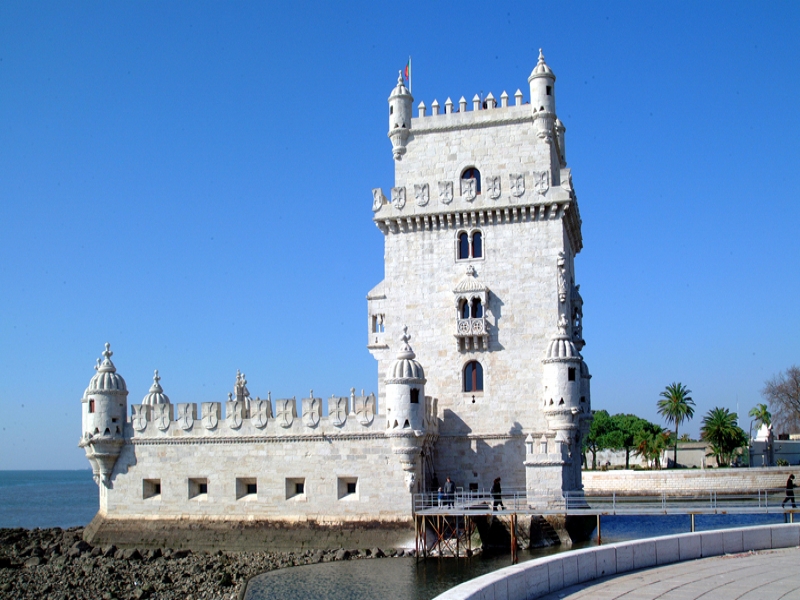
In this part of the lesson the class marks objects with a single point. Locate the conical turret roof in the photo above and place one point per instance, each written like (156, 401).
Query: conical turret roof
(405, 366)
(156, 394)
(106, 379)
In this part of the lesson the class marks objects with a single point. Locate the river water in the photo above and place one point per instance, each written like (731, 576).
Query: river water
(409, 579)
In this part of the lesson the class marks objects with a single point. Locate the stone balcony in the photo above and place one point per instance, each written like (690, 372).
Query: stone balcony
(472, 334)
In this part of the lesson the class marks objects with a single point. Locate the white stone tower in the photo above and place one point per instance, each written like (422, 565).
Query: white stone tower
(105, 407)
(482, 218)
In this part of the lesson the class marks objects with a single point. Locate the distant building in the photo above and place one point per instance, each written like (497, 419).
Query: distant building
(481, 233)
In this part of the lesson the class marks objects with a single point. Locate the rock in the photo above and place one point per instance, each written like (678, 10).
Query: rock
(226, 580)
(342, 554)
(34, 561)
(317, 556)
(131, 554)
(377, 553)
(108, 551)
(81, 545)
(5, 588)
(140, 594)
(181, 553)
(5, 562)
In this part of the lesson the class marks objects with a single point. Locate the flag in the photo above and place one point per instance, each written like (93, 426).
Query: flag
(407, 71)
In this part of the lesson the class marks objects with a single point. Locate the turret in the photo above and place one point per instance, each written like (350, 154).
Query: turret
(543, 88)
(105, 407)
(400, 103)
(562, 379)
(156, 394)
(405, 409)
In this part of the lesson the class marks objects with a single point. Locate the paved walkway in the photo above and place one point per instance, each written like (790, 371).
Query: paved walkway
(765, 575)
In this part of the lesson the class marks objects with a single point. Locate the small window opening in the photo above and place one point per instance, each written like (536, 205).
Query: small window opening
(473, 377)
(406, 425)
(414, 396)
(571, 373)
(391, 108)
(203, 488)
(151, 488)
(473, 486)
(464, 312)
(91, 405)
(561, 402)
(549, 90)
(296, 488)
(96, 430)
(198, 488)
(477, 308)
(477, 245)
(114, 420)
(347, 488)
(473, 173)
(117, 428)
(583, 399)
(107, 432)
(463, 245)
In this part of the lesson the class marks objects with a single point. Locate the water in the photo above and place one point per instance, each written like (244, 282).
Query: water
(47, 498)
(408, 579)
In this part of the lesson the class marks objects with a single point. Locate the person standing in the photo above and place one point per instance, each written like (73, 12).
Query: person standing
(497, 494)
(789, 492)
(449, 492)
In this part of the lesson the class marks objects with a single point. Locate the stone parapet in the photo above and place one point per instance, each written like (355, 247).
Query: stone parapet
(687, 481)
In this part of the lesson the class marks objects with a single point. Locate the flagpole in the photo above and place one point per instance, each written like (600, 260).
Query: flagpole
(409, 74)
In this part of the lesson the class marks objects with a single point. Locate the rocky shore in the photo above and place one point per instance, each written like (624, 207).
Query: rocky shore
(59, 564)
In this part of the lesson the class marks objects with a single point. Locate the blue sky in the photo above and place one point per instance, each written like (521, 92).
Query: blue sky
(190, 181)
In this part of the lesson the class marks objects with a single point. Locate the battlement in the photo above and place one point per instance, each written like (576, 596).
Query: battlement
(256, 418)
(478, 110)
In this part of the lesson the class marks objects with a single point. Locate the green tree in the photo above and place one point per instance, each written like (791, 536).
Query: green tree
(623, 433)
(676, 406)
(651, 440)
(761, 415)
(722, 432)
(597, 438)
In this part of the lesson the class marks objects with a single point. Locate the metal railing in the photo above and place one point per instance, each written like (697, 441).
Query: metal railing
(577, 503)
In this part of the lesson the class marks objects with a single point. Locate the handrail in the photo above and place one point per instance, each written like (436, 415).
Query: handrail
(578, 503)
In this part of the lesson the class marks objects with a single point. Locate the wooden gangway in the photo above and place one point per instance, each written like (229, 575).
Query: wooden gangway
(450, 519)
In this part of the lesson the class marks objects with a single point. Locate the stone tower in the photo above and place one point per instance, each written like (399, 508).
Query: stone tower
(481, 231)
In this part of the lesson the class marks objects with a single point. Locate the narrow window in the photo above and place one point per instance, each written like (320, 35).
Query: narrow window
(549, 90)
(91, 405)
(414, 396)
(473, 173)
(252, 488)
(151, 488)
(463, 246)
(477, 245)
(198, 488)
(464, 309)
(571, 373)
(391, 108)
(473, 377)
(351, 487)
(203, 488)
(347, 488)
(477, 308)
(296, 488)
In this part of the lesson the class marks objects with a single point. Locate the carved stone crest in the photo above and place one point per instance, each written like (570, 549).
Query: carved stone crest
(493, 187)
(234, 413)
(517, 181)
(261, 411)
(337, 410)
(285, 412)
(422, 194)
(541, 182)
(187, 413)
(140, 415)
(312, 410)
(211, 412)
(365, 409)
(445, 192)
(399, 197)
(377, 199)
(162, 416)
(469, 189)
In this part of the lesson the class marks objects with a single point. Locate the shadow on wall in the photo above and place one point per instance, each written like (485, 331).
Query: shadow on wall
(474, 463)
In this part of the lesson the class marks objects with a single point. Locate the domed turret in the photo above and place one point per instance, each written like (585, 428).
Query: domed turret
(105, 407)
(543, 89)
(400, 103)
(156, 394)
(562, 380)
(405, 390)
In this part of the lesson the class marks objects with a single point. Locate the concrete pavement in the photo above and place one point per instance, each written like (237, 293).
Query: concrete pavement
(763, 575)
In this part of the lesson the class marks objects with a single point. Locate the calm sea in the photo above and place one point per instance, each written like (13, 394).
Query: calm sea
(47, 498)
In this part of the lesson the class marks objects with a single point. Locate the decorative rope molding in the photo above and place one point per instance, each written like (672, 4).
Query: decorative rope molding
(252, 439)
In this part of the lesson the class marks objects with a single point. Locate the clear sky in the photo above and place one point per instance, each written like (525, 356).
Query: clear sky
(190, 181)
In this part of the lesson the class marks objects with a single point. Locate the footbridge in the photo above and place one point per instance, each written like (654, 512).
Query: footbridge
(446, 523)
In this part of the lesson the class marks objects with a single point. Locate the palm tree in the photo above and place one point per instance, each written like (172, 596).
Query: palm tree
(721, 430)
(650, 442)
(676, 406)
(761, 415)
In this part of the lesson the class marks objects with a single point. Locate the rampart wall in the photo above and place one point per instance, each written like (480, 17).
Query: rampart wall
(677, 481)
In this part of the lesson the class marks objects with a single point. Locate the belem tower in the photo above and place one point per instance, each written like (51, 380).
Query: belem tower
(477, 332)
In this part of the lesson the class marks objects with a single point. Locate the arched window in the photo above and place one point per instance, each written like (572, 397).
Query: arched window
(473, 173)
(464, 309)
(91, 405)
(473, 377)
(477, 245)
(477, 308)
(463, 245)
